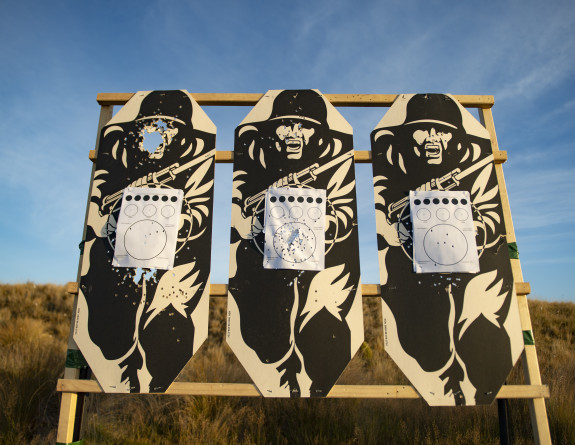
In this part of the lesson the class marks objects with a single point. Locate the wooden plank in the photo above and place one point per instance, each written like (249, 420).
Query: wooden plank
(500, 157)
(523, 392)
(338, 391)
(68, 405)
(367, 290)
(486, 118)
(224, 156)
(113, 98)
(360, 156)
(537, 410)
(227, 156)
(338, 100)
(218, 290)
(371, 290)
(524, 312)
(522, 288)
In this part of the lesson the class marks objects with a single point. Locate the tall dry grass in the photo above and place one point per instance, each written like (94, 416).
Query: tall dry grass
(34, 325)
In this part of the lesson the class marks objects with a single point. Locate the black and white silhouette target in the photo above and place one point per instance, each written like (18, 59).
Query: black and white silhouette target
(450, 315)
(147, 229)
(443, 232)
(295, 229)
(143, 302)
(294, 304)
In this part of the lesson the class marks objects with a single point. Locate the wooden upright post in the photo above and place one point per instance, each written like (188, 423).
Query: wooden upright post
(70, 421)
(529, 360)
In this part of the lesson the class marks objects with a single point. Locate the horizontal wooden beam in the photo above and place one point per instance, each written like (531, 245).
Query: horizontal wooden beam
(522, 288)
(338, 100)
(338, 391)
(367, 290)
(360, 156)
(500, 156)
(227, 156)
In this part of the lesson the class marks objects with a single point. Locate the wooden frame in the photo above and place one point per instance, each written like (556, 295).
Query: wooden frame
(73, 387)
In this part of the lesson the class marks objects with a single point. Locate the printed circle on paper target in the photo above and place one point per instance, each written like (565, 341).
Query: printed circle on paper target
(461, 214)
(314, 213)
(442, 214)
(445, 244)
(149, 210)
(168, 211)
(145, 239)
(131, 210)
(277, 212)
(296, 212)
(423, 214)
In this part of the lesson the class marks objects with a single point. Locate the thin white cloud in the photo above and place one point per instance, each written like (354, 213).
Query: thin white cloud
(543, 198)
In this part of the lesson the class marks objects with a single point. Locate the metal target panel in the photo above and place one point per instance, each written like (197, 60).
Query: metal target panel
(144, 290)
(294, 303)
(456, 335)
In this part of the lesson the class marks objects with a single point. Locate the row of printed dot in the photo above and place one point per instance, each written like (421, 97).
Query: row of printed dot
(300, 199)
(427, 201)
(153, 198)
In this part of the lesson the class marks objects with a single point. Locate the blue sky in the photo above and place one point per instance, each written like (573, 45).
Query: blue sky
(56, 56)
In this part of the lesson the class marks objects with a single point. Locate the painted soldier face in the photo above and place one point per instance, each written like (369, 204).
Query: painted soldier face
(293, 137)
(430, 143)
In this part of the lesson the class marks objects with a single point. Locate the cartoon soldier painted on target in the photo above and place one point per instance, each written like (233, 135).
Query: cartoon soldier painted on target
(293, 330)
(450, 327)
(138, 328)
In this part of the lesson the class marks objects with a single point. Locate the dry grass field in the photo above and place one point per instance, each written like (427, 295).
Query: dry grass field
(34, 325)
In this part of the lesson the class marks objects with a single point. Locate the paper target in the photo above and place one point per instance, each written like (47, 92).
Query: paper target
(443, 232)
(295, 229)
(148, 228)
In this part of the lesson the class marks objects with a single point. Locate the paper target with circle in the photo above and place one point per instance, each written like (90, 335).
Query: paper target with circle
(294, 228)
(147, 229)
(443, 232)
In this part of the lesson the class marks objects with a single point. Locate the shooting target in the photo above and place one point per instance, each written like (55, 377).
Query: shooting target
(443, 232)
(138, 323)
(147, 229)
(450, 315)
(295, 229)
(294, 304)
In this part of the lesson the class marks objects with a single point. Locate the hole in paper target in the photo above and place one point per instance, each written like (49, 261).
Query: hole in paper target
(294, 242)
